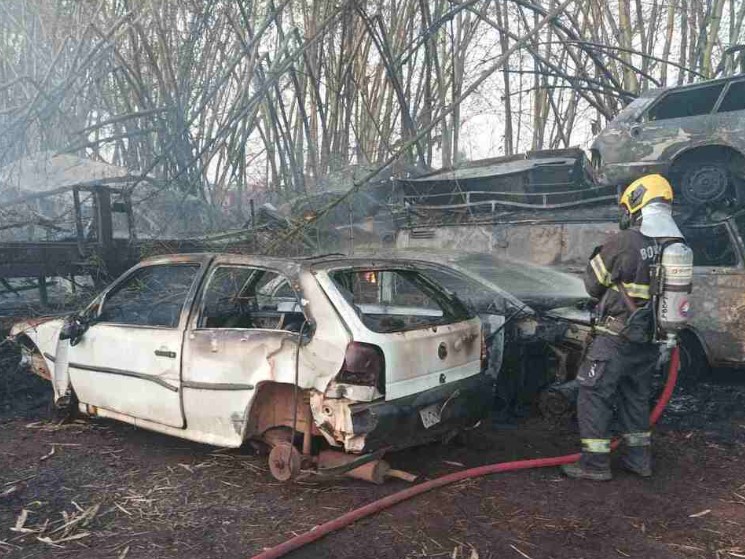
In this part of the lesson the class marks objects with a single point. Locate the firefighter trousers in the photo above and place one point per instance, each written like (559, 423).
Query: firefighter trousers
(615, 373)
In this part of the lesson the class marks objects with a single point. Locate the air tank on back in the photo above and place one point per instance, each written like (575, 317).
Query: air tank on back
(676, 267)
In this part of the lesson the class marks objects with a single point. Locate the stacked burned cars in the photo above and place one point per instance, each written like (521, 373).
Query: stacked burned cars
(328, 361)
(692, 134)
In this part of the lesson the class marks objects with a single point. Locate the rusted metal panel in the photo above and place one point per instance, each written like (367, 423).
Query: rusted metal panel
(563, 245)
(513, 178)
(718, 313)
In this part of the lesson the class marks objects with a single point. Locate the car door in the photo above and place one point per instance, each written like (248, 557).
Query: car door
(243, 334)
(718, 296)
(129, 359)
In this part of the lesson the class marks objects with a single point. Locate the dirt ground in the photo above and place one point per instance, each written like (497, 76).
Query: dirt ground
(100, 489)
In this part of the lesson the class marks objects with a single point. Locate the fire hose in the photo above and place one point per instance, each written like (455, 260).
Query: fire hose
(350, 517)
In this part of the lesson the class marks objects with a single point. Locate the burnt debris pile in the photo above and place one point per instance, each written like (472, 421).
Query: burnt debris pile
(22, 394)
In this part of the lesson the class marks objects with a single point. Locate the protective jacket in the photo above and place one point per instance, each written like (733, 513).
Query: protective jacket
(626, 257)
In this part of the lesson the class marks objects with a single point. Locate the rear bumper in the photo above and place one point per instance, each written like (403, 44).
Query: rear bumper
(396, 424)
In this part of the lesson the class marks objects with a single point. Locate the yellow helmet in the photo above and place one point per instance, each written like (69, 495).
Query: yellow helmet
(649, 188)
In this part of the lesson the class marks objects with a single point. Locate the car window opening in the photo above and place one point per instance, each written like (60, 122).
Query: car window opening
(471, 292)
(680, 104)
(711, 246)
(151, 296)
(734, 99)
(393, 300)
(241, 297)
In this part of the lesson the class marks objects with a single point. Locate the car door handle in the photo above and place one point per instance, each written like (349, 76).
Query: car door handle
(165, 353)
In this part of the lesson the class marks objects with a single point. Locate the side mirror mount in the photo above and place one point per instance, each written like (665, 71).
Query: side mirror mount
(73, 329)
(308, 331)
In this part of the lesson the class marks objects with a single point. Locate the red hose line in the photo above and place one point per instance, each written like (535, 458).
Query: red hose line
(672, 378)
(381, 504)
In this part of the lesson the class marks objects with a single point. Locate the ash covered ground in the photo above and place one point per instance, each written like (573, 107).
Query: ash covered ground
(95, 488)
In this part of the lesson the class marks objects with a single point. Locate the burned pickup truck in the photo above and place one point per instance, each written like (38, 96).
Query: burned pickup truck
(694, 134)
(357, 355)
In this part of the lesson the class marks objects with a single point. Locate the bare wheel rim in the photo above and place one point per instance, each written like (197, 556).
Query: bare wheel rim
(284, 462)
(705, 184)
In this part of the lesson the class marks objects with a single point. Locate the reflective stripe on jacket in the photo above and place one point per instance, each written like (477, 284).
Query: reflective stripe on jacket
(626, 257)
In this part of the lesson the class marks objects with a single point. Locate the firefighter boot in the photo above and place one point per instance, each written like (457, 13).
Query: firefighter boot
(638, 460)
(594, 466)
(637, 454)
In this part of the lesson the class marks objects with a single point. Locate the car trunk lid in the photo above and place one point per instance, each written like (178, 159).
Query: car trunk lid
(427, 336)
(421, 359)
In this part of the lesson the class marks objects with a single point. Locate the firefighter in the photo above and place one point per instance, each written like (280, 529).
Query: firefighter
(621, 357)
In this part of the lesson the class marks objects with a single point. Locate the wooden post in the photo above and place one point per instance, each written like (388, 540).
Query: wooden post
(308, 433)
(104, 230)
(130, 216)
(43, 295)
(79, 234)
(104, 227)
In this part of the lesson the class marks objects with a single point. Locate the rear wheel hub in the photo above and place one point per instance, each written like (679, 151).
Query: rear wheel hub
(284, 461)
(705, 184)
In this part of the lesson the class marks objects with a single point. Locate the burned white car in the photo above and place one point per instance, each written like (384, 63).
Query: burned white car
(358, 355)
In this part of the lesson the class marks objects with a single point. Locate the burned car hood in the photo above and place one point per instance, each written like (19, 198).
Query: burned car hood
(572, 314)
(540, 287)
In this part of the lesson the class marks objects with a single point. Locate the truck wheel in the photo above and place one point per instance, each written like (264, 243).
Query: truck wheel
(694, 365)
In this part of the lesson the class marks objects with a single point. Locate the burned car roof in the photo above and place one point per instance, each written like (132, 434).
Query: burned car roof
(692, 134)
(285, 264)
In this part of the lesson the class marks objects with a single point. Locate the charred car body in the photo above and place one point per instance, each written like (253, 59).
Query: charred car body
(220, 349)
(564, 239)
(694, 135)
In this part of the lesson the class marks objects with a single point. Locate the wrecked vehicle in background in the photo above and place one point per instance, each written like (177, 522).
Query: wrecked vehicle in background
(564, 239)
(694, 135)
(367, 355)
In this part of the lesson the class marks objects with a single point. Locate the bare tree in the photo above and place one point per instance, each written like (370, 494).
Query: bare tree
(225, 100)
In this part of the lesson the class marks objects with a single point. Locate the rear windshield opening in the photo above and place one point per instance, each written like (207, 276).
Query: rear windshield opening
(397, 300)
